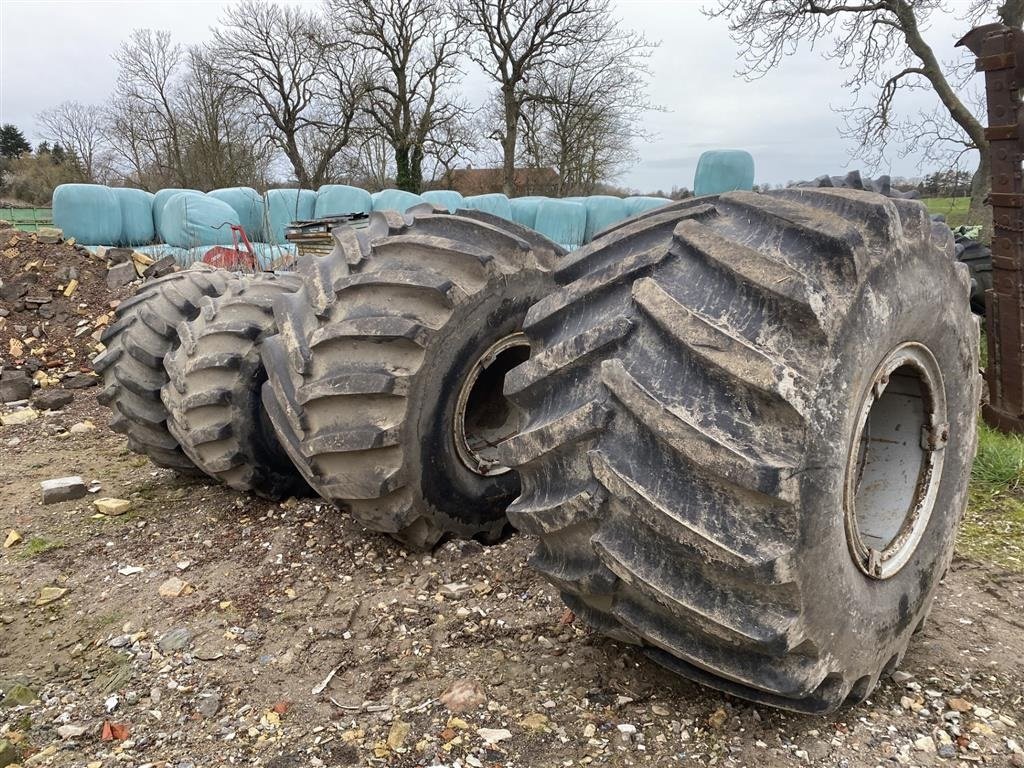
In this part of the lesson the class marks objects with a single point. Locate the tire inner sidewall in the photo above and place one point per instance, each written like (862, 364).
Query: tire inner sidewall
(447, 485)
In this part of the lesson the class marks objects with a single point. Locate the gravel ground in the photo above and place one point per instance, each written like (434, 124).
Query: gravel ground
(205, 628)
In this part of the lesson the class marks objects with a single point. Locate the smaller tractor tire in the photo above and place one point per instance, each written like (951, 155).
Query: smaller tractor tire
(978, 258)
(213, 393)
(132, 365)
(385, 380)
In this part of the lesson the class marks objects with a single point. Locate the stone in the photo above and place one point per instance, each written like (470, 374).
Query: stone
(82, 427)
(20, 416)
(63, 489)
(925, 744)
(10, 753)
(959, 705)
(174, 587)
(17, 695)
(13, 537)
(120, 275)
(49, 595)
(463, 696)
(81, 381)
(208, 705)
(49, 235)
(117, 255)
(174, 640)
(456, 590)
(70, 731)
(534, 721)
(112, 507)
(398, 733)
(160, 267)
(15, 385)
(983, 712)
(52, 399)
(494, 735)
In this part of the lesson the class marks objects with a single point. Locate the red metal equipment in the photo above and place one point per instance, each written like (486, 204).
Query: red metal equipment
(234, 258)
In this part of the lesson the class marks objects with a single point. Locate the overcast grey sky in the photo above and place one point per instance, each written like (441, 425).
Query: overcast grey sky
(55, 50)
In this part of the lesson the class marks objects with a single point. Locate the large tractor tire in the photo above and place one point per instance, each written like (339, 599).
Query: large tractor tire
(749, 432)
(385, 381)
(213, 395)
(132, 365)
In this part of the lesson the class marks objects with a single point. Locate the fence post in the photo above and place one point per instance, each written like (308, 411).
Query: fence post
(1000, 53)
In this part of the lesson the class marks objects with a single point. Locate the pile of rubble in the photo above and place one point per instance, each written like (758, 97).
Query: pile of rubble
(56, 299)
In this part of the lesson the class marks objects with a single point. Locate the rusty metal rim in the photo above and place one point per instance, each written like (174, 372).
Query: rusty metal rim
(471, 458)
(914, 500)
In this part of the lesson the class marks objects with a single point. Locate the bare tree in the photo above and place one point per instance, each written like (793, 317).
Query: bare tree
(223, 145)
(882, 45)
(303, 85)
(144, 125)
(78, 128)
(588, 110)
(413, 48)
(514, 40)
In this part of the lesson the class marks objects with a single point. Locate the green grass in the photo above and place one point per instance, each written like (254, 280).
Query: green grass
(999, 465)
(993, 526)
(953, 208)
(38, 545)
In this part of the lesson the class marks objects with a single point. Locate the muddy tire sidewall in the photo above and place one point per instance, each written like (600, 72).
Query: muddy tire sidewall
(449, 488)
(863, 619)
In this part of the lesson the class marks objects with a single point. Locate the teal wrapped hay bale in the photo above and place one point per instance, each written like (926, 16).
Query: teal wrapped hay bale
(340, 199)
(395, 200)
(284, 206)
(90, 213)
(160, 200)
(496, 204)
(248, 204)
(136, 216)
(446, 198)
(563, 221)
(638, 205)
(723, 170)
(602, 212)
(524, 210)
(190, 221)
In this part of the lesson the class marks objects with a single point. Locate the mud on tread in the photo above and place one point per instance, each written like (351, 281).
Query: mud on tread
(678, 416)
(215, 381)
(361, 364)
(144, 331)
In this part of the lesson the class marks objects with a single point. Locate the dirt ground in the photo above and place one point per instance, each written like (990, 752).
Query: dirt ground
(301, 640)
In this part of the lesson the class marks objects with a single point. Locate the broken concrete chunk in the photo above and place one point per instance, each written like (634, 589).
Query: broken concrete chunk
(160, 267)
(121, 275)
(81, 381)
(63, 489)
(52, 399)
(49, 595)
(23, 416)
(112, 507)
(15, 385)
(50, 235)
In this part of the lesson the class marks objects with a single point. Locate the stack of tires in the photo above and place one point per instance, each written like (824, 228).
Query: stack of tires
(740, 426)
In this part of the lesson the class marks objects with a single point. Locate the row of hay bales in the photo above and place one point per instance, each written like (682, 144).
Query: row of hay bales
(187, 218)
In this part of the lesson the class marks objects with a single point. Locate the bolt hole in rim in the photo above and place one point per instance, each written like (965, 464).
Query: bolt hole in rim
(484, 418)
(894, 462)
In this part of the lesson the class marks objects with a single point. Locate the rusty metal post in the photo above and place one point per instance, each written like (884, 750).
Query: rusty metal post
(1000, 52)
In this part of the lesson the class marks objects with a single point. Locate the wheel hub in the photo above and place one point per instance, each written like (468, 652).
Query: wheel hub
(483, 417)
(894, 461)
